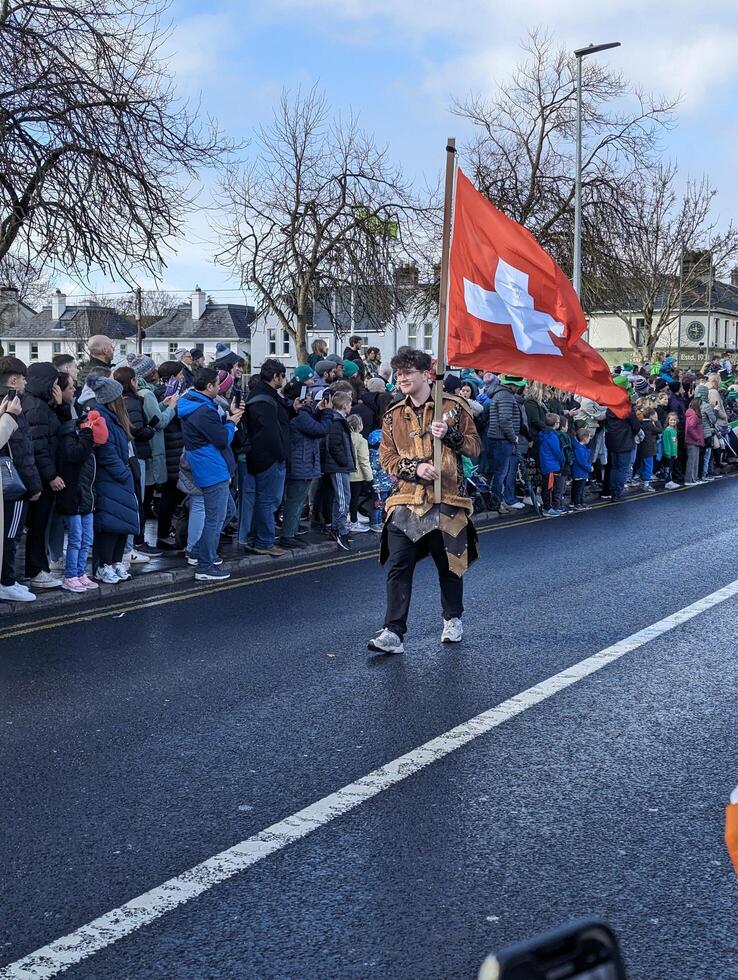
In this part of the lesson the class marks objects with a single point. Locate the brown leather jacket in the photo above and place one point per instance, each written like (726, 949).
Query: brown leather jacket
(406, 443)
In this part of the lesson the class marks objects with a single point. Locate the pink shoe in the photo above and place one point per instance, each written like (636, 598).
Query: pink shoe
(73, 585)
(87, 582)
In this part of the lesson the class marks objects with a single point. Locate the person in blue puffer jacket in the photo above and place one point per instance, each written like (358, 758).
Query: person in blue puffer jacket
(551, 463)
(207, 436)
(308, 428)
(116, 504)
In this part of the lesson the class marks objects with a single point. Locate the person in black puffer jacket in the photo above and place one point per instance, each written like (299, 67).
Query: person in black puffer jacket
(20, 446)
(42, 407)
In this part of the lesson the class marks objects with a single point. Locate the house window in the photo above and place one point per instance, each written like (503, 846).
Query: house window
(271, 342)
(173, 348)
(286, 343)
(11, 348)
(123, 349)
(412, 335)
(428, 337)
(34, 352)
(640, 330)
(56, 347)
(80, 349)
(147, 347)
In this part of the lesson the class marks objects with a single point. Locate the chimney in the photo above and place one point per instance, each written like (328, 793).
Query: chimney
(406, 275)
(734, 277)
(199, 302)
(58, 305)
(698, 264)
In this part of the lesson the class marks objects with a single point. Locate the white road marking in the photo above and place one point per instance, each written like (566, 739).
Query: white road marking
(109, 928)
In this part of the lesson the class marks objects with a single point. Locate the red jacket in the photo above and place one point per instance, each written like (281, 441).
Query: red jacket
(694, 433)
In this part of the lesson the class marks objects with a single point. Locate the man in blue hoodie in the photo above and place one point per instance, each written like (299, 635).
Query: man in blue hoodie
(208, 435)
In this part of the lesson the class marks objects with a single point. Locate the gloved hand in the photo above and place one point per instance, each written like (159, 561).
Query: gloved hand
(98, 425)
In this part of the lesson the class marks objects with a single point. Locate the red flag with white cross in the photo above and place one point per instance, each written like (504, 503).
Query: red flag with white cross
(512, 309)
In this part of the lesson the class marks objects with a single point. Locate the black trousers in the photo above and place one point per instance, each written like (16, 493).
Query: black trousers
(37, 520)
(357, 489)
(14, 516)
(171, 498)
(107, 548)
(404, 555)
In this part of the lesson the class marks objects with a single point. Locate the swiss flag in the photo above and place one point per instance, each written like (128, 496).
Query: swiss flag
(512, 309)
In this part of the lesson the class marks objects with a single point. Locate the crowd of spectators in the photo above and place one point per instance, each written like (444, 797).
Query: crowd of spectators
(90, 454)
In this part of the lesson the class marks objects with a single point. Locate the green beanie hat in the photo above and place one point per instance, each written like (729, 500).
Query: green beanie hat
(350, 368)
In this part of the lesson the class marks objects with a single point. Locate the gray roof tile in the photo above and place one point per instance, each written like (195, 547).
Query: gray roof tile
(227, 321)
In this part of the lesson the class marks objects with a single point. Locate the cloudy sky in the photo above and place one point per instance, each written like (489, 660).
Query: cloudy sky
(398, 63)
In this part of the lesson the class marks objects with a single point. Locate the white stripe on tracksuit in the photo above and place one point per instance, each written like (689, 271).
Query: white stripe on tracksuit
(14, 527)
(341, 503)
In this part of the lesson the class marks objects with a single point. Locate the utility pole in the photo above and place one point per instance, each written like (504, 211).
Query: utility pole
(139, 321)
(679, 321)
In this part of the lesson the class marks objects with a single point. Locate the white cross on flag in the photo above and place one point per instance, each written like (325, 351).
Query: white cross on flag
(512, 309)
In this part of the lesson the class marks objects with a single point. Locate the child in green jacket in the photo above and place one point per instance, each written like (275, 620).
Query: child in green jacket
(670, 450)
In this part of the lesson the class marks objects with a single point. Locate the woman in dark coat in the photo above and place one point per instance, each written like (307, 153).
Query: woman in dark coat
(141, 434)
(42, 409)
(116, 506)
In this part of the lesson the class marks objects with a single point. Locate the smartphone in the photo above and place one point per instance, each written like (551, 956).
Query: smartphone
(303, 392)
(11, 393)
(584, 950)
(237, 397)
(327, 395)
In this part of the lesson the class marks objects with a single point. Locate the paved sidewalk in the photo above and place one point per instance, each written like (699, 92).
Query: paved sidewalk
(172, 570)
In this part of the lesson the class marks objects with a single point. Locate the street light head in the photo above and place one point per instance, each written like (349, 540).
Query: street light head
(594, 48)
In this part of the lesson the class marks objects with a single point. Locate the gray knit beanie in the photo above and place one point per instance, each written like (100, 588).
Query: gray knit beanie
(106, 390)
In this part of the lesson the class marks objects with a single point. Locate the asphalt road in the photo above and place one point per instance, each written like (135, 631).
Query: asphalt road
(134, 748)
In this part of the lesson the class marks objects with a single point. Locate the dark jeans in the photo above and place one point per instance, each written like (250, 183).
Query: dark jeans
(261, 495)
(500, 453)
(577, 492)
(403, 557)
(620, 473)
(551, 490)
(14, 515)
(216, 508)
(295, 495)
(37, 520)
(170, 499)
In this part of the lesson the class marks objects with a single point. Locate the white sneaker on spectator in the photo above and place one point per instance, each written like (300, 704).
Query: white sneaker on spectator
(386, 642)
(518, 505)
(362, 519)
(45, 580)
(694, 484)
(671, 485)
(58, 564)
(16, 593)
(106, 574)
(453, 631)
(136, 558)
(647, 488)
(121, 571)
(358, 528)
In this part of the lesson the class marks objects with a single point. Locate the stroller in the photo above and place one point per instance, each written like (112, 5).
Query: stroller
(480, 490)
(524, 478)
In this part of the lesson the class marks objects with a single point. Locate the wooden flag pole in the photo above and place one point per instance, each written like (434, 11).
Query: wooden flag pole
(443, 309)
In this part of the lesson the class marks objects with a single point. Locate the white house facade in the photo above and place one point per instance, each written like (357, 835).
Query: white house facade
(201, 324)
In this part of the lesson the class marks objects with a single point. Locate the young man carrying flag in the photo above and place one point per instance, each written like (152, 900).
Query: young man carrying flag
(416, 525)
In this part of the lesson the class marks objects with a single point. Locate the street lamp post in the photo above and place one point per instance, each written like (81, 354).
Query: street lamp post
(580, 54)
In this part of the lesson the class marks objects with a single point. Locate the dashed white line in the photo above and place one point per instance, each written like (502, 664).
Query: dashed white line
(89, 939)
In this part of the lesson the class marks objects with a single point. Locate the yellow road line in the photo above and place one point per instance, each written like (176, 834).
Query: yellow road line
(133, 605)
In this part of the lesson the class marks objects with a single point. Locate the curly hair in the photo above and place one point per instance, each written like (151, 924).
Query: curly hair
(408, 358)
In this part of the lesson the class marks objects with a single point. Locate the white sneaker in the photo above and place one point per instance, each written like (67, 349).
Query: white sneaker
(45, 580)
(106, 574)
(358, 528)
(518, 505)
(16, 593)
(453, 631)
(136, 558)
(362, 519)
(58, 564)
(647, 488)
(386, 642)
(671, 485)
(694, 484)
(121, 571)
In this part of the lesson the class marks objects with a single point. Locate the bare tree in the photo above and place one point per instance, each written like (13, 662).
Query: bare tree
(33, 287)
(523, 157)
(321, 216)
(97, 154)
(155, 303)
(635, 256)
